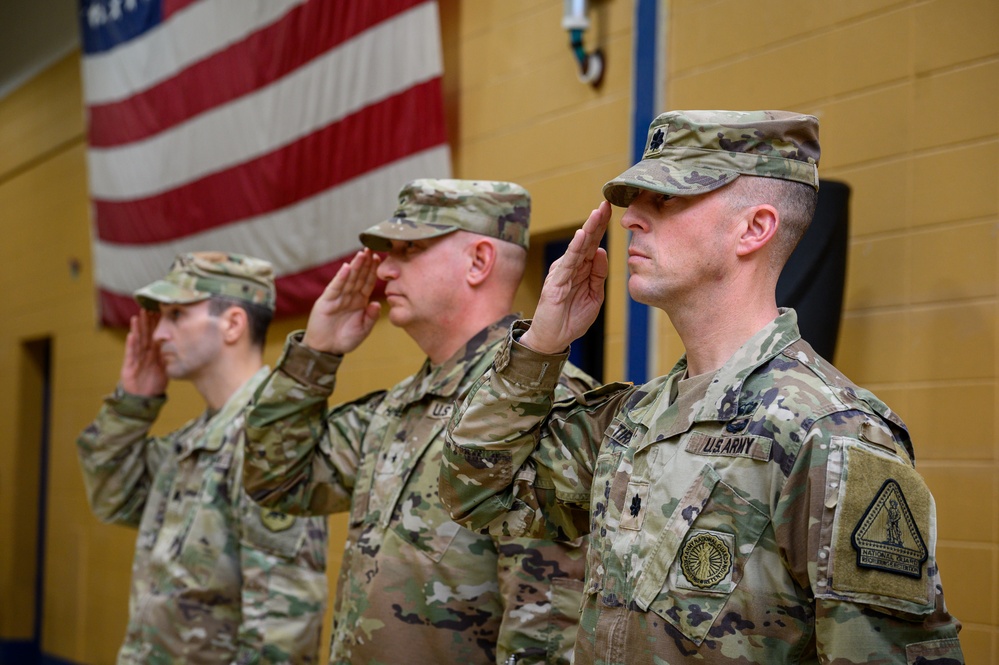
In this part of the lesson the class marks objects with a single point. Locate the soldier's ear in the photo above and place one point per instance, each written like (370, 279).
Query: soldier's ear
(234, 323)
(757, 226)
(482, 259)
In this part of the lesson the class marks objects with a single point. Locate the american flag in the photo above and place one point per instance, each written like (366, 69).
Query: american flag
(273, 128)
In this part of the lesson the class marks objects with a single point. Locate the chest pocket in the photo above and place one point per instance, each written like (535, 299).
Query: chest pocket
(606, 497)
(418, 517)
(202, 538)
(701, 555)
(218, 522)
(403, 472)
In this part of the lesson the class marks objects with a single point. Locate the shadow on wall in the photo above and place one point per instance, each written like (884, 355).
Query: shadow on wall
(813, 279)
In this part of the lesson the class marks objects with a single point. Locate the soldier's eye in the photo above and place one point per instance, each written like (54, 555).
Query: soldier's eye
(413, 248)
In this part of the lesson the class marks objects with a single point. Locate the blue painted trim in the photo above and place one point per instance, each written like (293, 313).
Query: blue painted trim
(644, 86)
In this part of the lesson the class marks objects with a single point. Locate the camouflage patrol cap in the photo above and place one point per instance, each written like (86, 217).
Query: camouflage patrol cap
(693, 152)
(431, 208)
(198, 276)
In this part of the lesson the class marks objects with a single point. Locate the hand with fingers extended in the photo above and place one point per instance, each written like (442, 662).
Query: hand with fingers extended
(344, 314)
(142, 371)
(573, 290)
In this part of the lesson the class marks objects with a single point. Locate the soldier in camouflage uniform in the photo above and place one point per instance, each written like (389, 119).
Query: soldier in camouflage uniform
(415, 587)
(216, 579)
(751, 506)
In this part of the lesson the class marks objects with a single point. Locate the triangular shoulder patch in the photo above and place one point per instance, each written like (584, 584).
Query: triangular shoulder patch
(887, 538)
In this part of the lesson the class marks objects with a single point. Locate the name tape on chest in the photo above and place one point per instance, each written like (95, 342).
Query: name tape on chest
(441, 410)
(746, 445)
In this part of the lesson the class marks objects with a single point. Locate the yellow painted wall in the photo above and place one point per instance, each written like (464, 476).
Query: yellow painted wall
(908, 95)
(45, 229)
(517, 111)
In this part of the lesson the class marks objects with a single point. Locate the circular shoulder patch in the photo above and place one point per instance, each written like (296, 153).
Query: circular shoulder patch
(705, 560)
(276, 521)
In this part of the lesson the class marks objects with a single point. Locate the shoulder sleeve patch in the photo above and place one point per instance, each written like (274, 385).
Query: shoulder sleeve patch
(884, 518)
(887, 537)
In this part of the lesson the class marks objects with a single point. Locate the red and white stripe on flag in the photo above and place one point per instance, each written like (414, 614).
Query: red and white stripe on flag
(274, 128)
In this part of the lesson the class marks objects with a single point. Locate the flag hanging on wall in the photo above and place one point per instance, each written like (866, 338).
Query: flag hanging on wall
(274, 128)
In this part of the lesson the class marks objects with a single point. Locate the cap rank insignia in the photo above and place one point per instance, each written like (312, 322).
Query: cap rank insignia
(887, 538)
(656, 141)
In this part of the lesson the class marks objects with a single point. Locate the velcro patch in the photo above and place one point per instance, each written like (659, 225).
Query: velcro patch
(755, 447)
(881, 527)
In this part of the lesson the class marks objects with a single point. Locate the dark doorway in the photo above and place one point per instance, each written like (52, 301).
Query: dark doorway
(31, 472)
(587, 352)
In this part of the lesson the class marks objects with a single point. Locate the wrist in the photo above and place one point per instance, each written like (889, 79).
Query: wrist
(139, 390)
(538, 346)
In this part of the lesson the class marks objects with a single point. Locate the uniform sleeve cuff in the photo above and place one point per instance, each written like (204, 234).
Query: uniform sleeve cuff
(130, 405)
(308, 366)
(526, 367)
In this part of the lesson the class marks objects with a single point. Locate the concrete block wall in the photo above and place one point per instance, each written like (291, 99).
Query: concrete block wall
(908, 95)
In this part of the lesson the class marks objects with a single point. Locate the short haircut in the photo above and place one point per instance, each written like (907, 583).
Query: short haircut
(795, 203)
(258, 316)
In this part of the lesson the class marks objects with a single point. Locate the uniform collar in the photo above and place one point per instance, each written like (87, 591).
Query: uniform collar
(720, 401)
(446, 379)
(214, 425)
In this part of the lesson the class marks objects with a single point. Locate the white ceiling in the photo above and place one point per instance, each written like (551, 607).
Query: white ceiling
(33, 35)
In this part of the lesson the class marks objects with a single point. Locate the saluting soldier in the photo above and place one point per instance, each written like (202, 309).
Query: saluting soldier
(752, 505)
(414, 587)
(216, 579)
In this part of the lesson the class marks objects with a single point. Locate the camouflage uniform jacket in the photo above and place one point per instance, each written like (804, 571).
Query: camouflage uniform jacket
(215, 579)
(414, 587)
(770, 515)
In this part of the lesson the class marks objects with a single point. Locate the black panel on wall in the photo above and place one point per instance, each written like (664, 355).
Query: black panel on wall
(813, 279)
